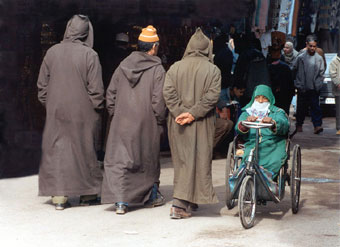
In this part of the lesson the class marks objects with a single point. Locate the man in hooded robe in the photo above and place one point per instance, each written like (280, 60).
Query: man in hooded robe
(272, 145)
(70, 87)
(135, 103)
(191, 90)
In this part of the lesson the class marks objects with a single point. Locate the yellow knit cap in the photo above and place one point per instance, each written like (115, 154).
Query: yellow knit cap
(148, 34)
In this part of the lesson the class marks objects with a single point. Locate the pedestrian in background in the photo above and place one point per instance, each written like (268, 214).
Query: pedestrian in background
(251, 69)
(135, 102)
(289, 54)
(70, 86)
(334, 71)
(282, 83)
(191, 90)
(310, 71)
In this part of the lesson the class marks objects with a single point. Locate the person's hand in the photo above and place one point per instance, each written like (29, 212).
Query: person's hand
(338, 86)
(251, 118)
(267, 120)
(184, 118)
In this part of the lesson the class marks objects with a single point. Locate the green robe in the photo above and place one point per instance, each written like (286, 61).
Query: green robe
(272, 144)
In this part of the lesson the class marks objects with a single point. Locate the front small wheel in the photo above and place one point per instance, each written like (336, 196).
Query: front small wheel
(247, 202)
(295, 179)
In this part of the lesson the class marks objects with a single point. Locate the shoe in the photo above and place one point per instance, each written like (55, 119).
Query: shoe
(121, 208)
(92, 202)
(318, 130)
(62, 206)
(299, 129)
(156, 198)
(193, 207)
(158, 201)
(179, 213)
(338, 132)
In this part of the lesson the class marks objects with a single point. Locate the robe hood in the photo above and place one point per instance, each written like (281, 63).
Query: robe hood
(79, 28)
(199, 45)
(134, 66)
(265, 91)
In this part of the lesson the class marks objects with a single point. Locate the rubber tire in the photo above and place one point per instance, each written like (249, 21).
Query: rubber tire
(230, 203)
(281, 182)
(295, 179)
(247, 183)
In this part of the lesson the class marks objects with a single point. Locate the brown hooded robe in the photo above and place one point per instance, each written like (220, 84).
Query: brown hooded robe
(193, 85)
(135, 102)
(71, 88)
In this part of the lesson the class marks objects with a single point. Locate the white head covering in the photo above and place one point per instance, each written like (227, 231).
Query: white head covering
(259, 110)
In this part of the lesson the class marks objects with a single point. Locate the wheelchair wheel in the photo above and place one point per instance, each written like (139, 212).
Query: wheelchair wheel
(247, 202)
(295, 179)
(228, 173)
(281, 182)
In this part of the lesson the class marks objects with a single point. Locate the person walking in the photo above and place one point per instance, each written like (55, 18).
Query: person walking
(334, 72)
(251, 69)
(282, 84)
(70, 87)
(135, 102)
(310, 71)
(289, 54)
(191, 90)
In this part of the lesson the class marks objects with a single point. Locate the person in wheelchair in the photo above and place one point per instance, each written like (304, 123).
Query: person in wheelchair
(272, 144)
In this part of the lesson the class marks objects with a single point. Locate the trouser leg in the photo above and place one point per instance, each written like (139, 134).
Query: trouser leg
(294, 103)
(337, 112)
(301, 108)
(88, 197)
(316, 114)
(180, 203)
(59, 199)
(286, 104)
(222, 128)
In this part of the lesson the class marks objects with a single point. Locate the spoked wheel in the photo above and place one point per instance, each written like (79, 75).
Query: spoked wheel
(230, 168)
(295, 179)
(247, 202)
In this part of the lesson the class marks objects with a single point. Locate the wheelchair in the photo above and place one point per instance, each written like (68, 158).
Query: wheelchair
(251, 187)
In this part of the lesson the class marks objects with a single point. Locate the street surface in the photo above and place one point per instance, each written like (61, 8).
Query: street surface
(29, 220)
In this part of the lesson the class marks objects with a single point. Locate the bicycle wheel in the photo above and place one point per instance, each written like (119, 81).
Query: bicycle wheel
(295, 179)
(247, 202)
(230, 202)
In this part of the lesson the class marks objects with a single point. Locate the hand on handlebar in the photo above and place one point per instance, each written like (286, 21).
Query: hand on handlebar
(251, 118)
(267, 120)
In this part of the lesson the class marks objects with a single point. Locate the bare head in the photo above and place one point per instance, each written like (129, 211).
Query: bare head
(311, 44)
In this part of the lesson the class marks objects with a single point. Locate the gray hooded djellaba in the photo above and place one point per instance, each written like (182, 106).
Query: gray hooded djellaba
(193, 85)
(135, 103)
(70, 87)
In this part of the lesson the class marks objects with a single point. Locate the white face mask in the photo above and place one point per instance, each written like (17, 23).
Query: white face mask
(260, 106)
(259, 110)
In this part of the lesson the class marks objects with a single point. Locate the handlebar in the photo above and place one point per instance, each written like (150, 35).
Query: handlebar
(256, 125)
